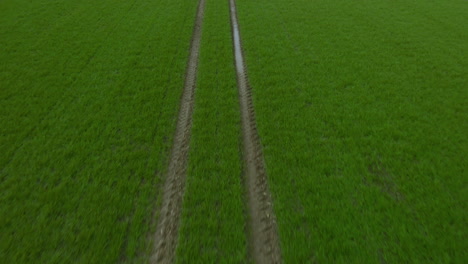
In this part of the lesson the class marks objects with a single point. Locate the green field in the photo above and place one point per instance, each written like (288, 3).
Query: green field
(361, 108)
(363, 115)
(89, 97)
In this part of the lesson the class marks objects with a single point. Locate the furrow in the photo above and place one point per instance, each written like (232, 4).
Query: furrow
(168, 224)
(264, 240)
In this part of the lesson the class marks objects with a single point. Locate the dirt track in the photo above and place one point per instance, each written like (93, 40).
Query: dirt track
(264, 241)
(168, 225)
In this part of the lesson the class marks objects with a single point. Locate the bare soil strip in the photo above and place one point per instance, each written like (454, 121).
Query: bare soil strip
(264, 240)
(167, 229)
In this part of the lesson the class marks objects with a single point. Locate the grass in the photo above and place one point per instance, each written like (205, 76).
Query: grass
(90, 92)
(362, 113)
(361, 109)
(212, 228)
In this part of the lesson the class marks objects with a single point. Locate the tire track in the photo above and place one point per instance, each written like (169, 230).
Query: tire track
(264, 240)
(167, 229)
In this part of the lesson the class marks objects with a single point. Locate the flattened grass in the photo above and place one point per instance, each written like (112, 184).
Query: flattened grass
(361, 108)
(213, 224)
(89, 97)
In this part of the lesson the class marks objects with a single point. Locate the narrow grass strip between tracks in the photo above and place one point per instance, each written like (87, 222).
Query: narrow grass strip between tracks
(213, 219)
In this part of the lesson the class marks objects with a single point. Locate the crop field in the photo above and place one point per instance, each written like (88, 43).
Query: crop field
(362, 111)
(89, 96)
(352, 150)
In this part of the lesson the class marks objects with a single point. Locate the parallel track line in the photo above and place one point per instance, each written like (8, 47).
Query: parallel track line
(168, 225)
(264, 239)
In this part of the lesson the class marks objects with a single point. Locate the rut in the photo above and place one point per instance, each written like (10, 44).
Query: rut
(168, 225)
(264, 240)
